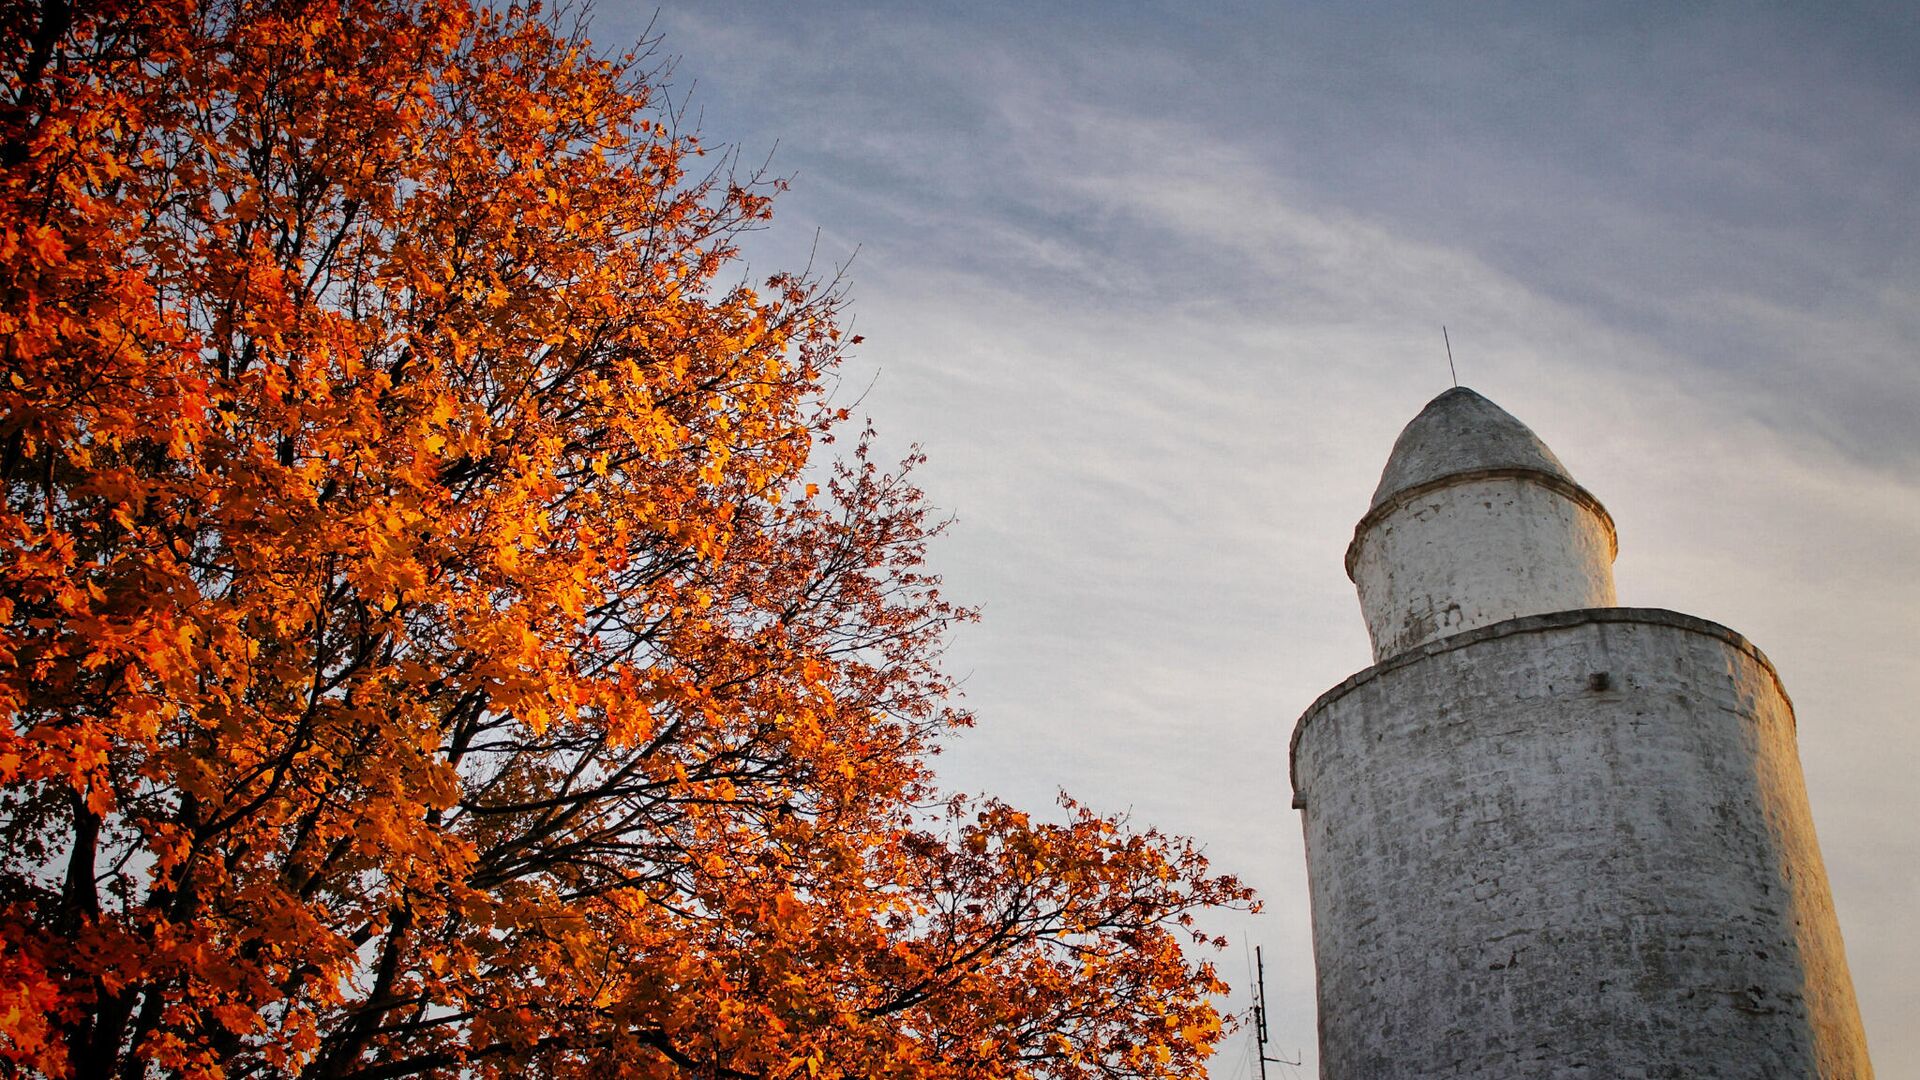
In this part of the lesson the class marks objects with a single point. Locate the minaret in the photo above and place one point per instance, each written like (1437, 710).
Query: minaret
(1547, 836)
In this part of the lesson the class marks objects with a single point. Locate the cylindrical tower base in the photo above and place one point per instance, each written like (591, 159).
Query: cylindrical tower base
(1568, 845)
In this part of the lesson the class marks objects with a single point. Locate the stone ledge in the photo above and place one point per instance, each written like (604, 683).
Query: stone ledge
(1526, 624)
(1546, 480)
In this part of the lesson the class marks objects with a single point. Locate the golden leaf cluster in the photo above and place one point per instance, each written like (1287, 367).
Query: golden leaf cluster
(429, 642)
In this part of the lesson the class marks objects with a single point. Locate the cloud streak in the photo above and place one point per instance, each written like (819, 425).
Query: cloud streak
(1157, 290)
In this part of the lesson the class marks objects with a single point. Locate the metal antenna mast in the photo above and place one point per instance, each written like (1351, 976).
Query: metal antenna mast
(1450, 367)
(1260, 1014)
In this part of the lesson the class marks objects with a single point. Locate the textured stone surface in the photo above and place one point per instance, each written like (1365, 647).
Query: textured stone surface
(1461, 432)
(1570, 845)
(1478, 549)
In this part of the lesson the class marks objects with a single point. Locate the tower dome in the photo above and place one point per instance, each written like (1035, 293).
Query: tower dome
(1462, 432)
(1474, 522)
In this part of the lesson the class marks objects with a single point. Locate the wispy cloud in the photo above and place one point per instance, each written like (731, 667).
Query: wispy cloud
(1157, 293)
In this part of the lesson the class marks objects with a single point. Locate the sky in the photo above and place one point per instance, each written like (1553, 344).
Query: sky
(1155, 285)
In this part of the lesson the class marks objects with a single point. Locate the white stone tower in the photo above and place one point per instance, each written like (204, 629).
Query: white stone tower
(1548, 836)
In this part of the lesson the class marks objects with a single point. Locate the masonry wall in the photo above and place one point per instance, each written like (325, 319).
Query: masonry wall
(1475, 549)
(1570, 845)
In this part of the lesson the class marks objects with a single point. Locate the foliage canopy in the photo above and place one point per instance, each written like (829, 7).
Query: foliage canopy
(422, 651)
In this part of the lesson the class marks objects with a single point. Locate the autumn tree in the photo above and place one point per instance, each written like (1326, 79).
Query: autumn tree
(423, 650)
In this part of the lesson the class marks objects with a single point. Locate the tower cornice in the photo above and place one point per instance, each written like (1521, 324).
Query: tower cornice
(1526, 624)
(1551, 481)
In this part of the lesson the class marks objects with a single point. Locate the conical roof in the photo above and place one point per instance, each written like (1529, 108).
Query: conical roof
(1462, 432)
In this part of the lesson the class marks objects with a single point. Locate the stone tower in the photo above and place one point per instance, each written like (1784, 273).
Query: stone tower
(1547, 836)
